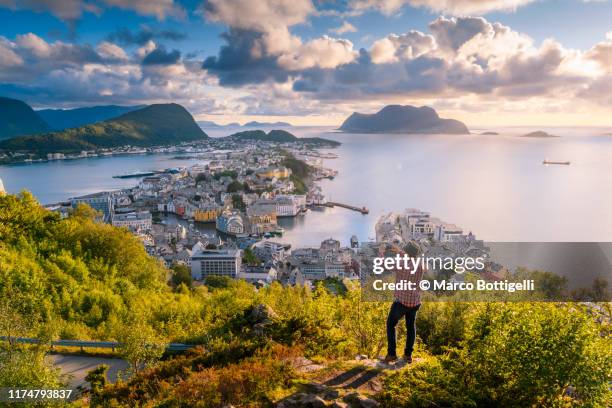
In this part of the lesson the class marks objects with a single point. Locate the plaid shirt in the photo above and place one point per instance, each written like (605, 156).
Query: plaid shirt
(409, 298)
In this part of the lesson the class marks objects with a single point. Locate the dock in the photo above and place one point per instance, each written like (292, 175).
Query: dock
(362, 210)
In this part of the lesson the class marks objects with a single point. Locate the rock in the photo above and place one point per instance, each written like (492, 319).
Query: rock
(360, 401)
(339, 404)
(261, 313)
(261, 316)
(302, 400)
(361, 357)
(322, 390)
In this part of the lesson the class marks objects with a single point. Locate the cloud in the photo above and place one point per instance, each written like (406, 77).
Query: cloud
(72, 10)
(158, 8)
(159, 56)
(8, 57)
(405, 46)
(125, 36)
(241, 61)
(324, 52)
(460, 56)
(453, 7)
(259, 46)
(346, 27)
(66, 74)
(260, 15)
(110, 51)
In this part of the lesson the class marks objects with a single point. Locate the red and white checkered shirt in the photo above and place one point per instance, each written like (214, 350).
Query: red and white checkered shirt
(409, 298)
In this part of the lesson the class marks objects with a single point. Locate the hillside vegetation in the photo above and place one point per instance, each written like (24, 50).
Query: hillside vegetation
(281, 136)
(77, 279)
(161, 124)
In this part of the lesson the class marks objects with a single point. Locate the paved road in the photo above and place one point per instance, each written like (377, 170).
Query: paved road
(77, 367)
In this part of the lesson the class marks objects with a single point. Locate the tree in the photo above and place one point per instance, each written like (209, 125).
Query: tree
(238, 202)
(181, 274)
(249, 257)
(141, 346)
(235, 186)
(97, 381)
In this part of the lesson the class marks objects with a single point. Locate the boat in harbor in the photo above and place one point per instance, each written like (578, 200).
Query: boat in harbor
(563, 163)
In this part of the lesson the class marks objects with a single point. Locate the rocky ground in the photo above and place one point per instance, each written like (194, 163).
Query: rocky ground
(351, 385)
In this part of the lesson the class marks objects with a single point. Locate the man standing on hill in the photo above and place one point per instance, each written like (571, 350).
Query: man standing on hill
(406, 305)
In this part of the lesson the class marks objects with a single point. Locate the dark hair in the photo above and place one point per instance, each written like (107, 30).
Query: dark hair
(413, 249)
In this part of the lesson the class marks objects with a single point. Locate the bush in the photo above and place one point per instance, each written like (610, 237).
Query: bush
(514, 355)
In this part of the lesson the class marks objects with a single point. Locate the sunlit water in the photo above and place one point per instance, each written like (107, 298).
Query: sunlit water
(495, 186)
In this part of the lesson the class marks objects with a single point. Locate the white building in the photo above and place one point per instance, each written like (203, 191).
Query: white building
(135, 221)
(215, 262)
(448, 233)
(289, 205)
(2, 190)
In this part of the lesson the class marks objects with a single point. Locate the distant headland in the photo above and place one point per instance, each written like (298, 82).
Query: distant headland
(402, 119)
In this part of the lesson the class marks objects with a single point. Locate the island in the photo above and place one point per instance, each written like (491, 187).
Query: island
(254, 123)
(538, 134)
(402, 119)
(281, 136)
(489, 133)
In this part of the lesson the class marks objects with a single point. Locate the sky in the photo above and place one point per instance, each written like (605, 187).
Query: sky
(313, 62)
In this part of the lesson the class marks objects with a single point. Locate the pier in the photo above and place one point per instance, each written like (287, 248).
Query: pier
(362, 210)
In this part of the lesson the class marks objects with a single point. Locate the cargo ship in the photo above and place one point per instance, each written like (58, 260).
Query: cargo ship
(563, 163)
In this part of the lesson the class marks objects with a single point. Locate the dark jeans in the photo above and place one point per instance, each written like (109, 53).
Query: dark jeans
(398, 311)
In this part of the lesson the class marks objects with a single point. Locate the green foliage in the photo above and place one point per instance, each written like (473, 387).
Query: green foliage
(514, 355)
(238, 203)
(218, 281)
(22, 367)
(160, 124)
(76, 278)
(300, 172)
(181, 275)
(97, 382)
(234, 187)
(249, 257)
(140, 345)
(226, 173)
(281, 136)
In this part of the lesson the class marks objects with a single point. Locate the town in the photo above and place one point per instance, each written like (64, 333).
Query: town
(239, 190)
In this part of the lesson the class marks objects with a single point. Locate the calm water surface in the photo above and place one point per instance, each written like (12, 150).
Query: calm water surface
(495, 186)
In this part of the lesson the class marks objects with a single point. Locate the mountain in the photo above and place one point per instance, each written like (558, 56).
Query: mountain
(402, 119)
(266, 124)
(161, 124)
(18, 118)
(210, 124)
(280, 136)
(59, 119)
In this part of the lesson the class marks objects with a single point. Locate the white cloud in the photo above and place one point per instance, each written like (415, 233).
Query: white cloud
(323, 52)
(346, 27)
(111, 51)
(405, 46)
(454, 7)
(71, 10)
(8, 57)
(158, 8)
(260, 15)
